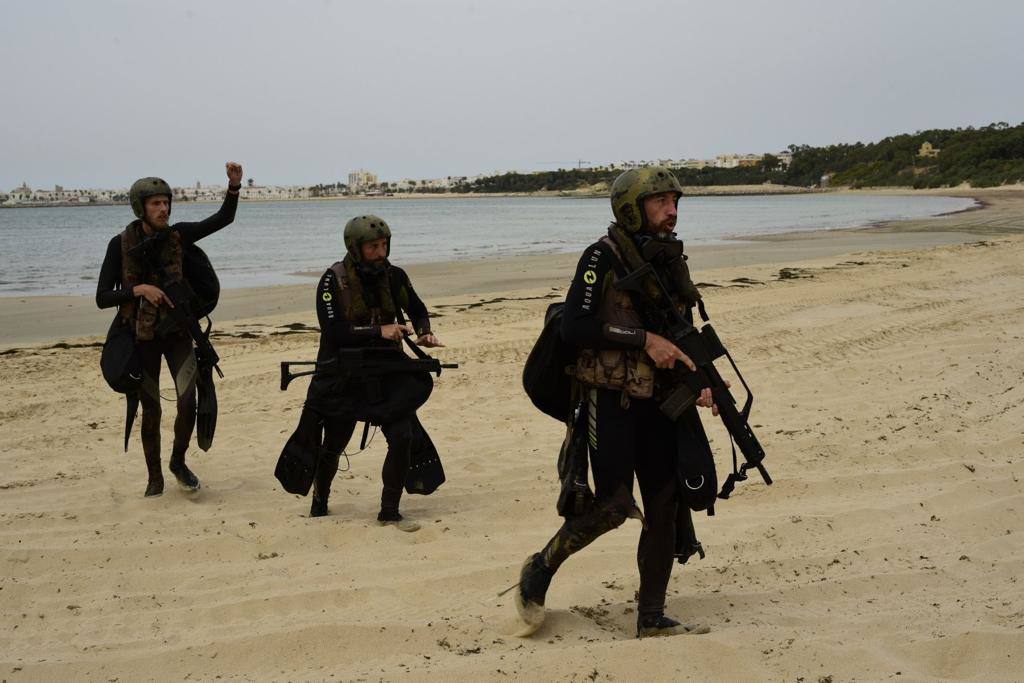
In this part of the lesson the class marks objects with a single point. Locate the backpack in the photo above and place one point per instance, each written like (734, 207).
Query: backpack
(202, 278)
(547, 375)
(120, 361)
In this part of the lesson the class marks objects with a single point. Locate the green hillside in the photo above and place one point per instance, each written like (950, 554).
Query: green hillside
(984, 157)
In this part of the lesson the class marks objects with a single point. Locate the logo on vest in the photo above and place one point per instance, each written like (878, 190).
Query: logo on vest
(327, 296)
(590, 277)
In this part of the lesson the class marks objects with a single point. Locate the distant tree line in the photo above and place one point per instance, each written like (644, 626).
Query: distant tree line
(328, 190)
(984, 157)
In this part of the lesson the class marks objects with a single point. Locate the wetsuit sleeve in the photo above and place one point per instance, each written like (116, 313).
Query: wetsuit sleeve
(416, 309)
(581, 322)
(108, 290)
(193, 232)
(335, 326)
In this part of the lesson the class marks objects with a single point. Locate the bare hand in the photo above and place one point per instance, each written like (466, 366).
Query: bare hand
(706, 400)
(664, 353)
(152, 294)
(394, 331)
(234, 173)
(429, 340)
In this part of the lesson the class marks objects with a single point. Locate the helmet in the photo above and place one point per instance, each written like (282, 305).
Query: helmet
(365, 229)
(630, 189)
(144, 188)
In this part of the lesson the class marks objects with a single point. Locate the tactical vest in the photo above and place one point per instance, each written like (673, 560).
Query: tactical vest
(354, 302)
(133, 272)
(630, 371)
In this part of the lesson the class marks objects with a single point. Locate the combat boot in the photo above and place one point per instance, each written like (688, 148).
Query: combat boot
(186, 479)
(318, 506)
(392, 517)
(155, 485)
(534, 580)
(657, 625)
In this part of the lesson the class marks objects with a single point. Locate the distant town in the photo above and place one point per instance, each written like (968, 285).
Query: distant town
(360, 183)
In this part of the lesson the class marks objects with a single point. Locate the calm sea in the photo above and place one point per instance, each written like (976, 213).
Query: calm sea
(59, 250)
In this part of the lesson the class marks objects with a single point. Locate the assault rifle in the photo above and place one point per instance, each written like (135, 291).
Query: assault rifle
(703, 347)
(364, 363)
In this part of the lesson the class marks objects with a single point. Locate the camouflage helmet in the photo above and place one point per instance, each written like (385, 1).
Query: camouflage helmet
(144, 188)
(365, 229)
(630, 189)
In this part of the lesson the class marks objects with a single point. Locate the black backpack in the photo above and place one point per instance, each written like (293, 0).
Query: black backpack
(547, 375)
(202, 278)
(120, 361)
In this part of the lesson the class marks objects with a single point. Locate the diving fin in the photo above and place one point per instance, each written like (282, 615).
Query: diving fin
(206, 408)
(188, 372)
(132, 410)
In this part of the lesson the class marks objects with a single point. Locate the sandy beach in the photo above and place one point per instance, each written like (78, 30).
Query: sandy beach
(887, 368)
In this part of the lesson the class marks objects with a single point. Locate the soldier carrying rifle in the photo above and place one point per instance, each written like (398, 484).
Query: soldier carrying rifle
(362, 375)
(640, 370)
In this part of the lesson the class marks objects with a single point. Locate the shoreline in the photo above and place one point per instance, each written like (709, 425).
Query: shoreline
(767, 189)
(34, 320)
(689, 191)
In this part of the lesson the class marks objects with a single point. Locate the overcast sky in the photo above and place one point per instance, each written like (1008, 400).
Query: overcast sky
(96, 94)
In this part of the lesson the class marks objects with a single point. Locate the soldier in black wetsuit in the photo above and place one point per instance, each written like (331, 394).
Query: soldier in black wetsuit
(358, 303)
(125, 281)
(626, 433)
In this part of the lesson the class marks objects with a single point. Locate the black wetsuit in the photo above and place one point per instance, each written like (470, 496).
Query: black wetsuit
(622, 440)
(175, 347)
(337, 331)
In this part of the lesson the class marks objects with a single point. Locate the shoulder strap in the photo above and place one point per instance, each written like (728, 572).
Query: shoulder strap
(340, 275)
(617, 265)
(399, 314)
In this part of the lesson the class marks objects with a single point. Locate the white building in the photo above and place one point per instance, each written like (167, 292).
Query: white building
(20, 195)
(361, 180)
(435, 183)
(727, 161)
(272, 192)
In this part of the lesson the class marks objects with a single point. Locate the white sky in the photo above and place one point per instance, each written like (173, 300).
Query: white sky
(96, 94)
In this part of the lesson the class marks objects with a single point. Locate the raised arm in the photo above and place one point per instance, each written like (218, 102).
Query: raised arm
(192, 232)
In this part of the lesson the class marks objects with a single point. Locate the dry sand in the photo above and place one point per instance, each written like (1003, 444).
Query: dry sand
(889, 399)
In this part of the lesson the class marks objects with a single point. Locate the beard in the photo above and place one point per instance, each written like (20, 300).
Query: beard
(372, 268)
(666, 225)
(158, 222)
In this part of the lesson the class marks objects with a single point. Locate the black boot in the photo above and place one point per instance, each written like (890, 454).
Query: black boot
(534, 579)
(155, 485)
(186, 479)
(654, 625)
(318, 506)
(391, 516)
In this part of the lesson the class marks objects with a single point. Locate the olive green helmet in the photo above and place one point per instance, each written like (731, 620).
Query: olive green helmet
(144, 188)
(365, 229)
(630, 189)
